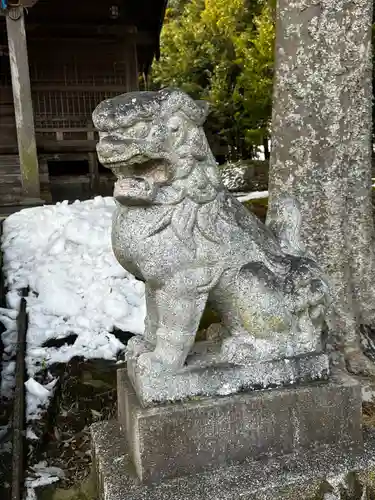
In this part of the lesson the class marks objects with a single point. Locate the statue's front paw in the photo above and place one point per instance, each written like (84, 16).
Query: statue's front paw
(136, 346)
(150, 362)
(162, 360)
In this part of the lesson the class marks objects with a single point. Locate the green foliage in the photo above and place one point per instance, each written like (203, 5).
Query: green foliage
(258, 207)
(222, 51)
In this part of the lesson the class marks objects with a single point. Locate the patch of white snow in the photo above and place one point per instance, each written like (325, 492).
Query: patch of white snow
(63, 254)
(41, 475)
(256, 195)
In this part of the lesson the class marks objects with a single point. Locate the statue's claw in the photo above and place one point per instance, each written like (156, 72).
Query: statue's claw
(150, 362)
(166, 359)
(136, 346)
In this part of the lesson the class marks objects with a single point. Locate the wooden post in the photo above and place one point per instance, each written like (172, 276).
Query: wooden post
(23, 106)
(93, 166)
(131, 59)
(19, 449)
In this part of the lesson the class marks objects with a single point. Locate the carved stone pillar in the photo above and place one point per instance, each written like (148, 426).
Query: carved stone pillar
(321, 151)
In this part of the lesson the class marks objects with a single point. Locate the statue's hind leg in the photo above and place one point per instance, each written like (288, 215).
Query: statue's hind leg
(258, 315)
(250, 302)
(260, 303)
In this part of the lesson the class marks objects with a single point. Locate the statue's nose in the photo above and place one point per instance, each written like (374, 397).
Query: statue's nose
(103, 115)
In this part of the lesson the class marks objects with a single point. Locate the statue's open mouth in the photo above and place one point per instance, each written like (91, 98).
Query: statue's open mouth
(134, 191)
(138, 166)
(137, 182)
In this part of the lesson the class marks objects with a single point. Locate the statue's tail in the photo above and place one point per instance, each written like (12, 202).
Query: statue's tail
(284, 220)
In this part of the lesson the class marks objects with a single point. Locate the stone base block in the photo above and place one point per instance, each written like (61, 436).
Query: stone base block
(202, 376)
(311, 475)
(186, 438)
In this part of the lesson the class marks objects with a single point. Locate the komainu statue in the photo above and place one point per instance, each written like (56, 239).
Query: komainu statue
(179, 230)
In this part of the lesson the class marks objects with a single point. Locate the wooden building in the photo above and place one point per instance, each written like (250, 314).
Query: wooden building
(58, 60)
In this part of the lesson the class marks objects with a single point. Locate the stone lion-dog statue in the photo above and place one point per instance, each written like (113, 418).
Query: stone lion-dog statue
(191, 242)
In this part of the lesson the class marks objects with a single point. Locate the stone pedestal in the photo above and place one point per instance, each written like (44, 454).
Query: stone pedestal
(300, 476)
(221, 440)
(205, 433)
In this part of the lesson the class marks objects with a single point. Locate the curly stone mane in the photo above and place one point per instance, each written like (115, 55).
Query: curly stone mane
(194, 199)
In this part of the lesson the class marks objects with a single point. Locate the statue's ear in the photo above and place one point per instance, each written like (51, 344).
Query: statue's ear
(204, 107)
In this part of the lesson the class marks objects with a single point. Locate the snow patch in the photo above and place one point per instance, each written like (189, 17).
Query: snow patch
(41, 475)
(37, 397)
(256, 195)
(63, 254)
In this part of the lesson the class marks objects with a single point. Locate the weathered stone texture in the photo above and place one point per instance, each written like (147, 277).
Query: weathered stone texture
(321, 143)
(307, 476)
(177, 229)
(203, 376)
(186, 438)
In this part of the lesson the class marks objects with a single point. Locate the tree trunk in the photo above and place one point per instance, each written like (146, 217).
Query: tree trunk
(321, 150)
